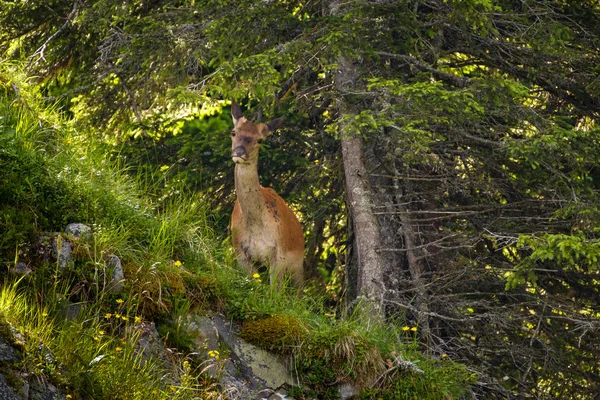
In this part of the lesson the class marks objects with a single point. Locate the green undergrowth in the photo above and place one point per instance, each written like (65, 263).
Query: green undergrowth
(50, 176)
(324, 349)
(89, 356)
(174, 264)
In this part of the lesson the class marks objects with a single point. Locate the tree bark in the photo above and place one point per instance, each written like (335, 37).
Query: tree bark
(367, 241)
(365, 227)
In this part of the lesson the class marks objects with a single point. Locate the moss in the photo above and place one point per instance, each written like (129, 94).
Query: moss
(279, 333)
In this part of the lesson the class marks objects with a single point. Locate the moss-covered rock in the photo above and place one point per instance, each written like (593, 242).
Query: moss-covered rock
(279, 333)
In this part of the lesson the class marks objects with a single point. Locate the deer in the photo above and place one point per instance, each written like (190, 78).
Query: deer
(264, 230)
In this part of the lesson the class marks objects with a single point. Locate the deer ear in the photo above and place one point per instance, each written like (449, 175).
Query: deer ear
(236, 111)
(275, 124)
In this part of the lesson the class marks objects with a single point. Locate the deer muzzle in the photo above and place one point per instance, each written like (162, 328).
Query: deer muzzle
(239, 153)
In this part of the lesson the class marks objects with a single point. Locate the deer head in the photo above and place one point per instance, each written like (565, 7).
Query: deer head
(247, 136)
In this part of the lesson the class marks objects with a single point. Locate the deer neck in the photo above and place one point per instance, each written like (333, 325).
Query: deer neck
(249, 194)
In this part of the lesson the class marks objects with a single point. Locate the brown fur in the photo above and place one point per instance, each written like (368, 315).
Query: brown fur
(264, 229)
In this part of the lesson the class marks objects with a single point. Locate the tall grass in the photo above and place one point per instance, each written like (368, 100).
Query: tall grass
(51, 175)
(100, 366)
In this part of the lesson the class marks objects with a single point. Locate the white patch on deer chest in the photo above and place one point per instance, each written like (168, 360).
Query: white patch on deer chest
(257, 245)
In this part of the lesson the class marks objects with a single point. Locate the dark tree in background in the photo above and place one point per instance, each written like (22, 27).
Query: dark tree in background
(464, 134)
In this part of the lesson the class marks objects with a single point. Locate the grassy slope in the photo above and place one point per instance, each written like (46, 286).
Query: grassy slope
(51, 176)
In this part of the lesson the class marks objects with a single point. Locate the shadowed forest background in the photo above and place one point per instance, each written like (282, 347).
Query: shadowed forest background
(442, 156)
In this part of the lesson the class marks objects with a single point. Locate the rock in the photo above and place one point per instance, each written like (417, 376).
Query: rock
(44, 251)
(347, 391)
(9, 356)
(150, 345)
(30, 387)
(6, 392)
(249, 372)
(8, 353)
(57, 247)
(117, 282)
(79, 231)
(15, 335)
(208, 340)
(260, 368)
(209, 335)
(21, 268)
(235, 385)
(280, 394)
(61, 249)
(72, 310)
(43, 390)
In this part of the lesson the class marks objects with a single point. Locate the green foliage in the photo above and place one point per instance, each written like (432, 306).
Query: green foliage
(43, 188)
(31, 191)
(440, 379)
(575, 253)
(324, 352)
(189, 157)
(570, 251)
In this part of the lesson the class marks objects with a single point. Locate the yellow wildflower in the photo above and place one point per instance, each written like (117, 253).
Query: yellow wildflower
(120, 301)
(406, 328)
(117, 316)
(214, 354)
(178, 263)
(256, 275)
(124, 318)
(444, 356)
(44, 314)
(118, 349)
(101, 332)
(108, 316)
(414, 329)
(138, 319)
(68, 396)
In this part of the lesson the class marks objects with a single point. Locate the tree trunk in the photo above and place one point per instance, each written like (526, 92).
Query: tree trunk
(367, 242)
(366, 230)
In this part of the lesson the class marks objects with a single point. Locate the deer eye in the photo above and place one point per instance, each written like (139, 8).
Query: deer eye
(259, 141)
(232, 133)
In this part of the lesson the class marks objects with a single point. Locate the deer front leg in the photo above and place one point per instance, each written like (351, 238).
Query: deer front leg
(245, 261)
(290, 265)
(296, 270)
(276, 268)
